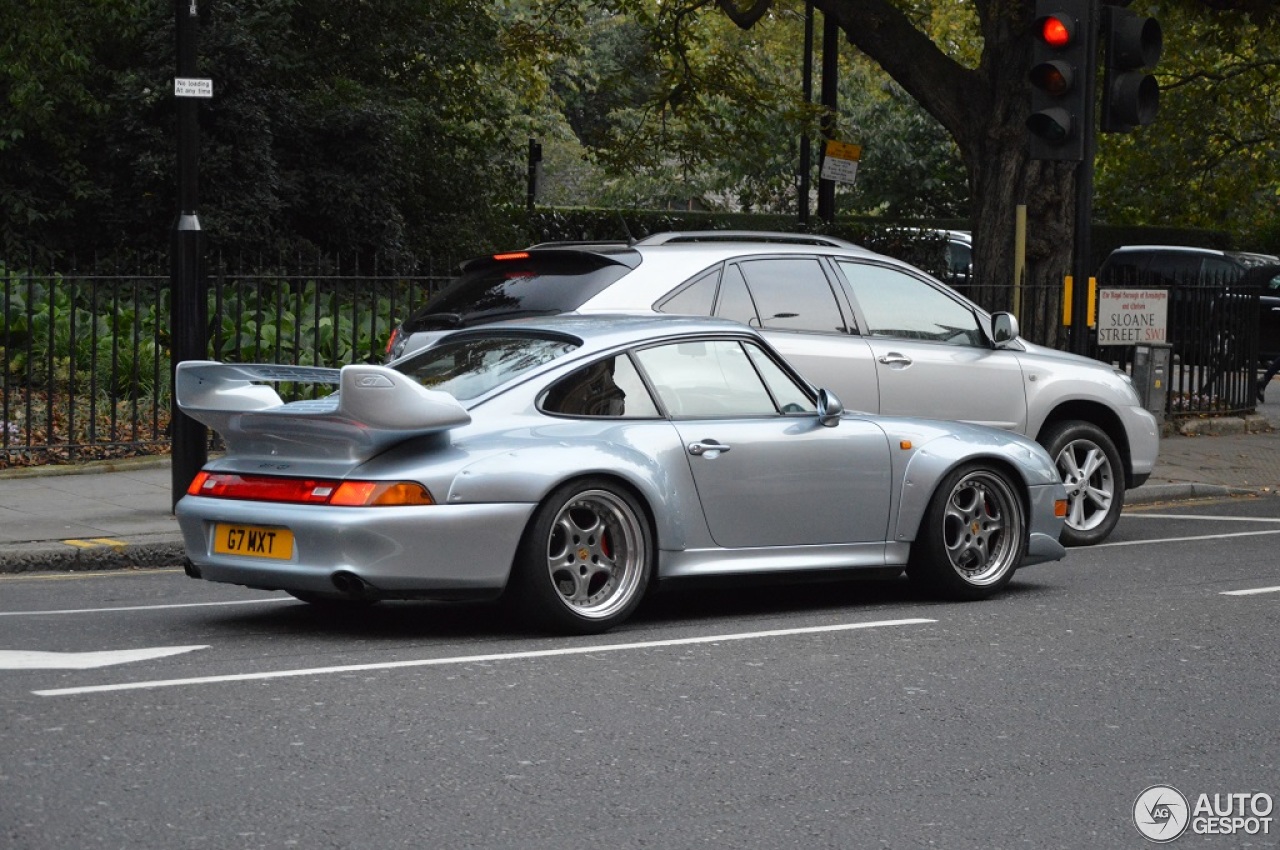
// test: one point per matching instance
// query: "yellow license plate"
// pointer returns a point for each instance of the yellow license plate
(255, 541)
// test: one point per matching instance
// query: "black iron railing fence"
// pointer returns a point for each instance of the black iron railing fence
(85, 364)
(84, 355)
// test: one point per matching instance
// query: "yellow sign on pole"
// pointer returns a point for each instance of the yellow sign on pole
(840, 161)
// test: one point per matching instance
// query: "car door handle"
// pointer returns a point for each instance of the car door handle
(893, 358)
(710, 448)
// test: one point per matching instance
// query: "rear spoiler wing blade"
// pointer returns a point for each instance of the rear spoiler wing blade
(375, 408)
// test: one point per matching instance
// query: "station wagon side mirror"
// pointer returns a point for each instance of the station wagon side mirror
(829, 409)
(1004, 329)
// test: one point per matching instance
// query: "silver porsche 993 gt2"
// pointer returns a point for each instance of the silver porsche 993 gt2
(567, 464)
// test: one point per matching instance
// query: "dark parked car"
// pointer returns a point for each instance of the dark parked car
(1206, 310)
(1267, 280)
(1177, 265)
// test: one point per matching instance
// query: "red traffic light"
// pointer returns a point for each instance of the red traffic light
(1061, 78)
(1057, 30)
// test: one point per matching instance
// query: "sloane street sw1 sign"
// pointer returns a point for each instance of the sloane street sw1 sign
(1131, 316)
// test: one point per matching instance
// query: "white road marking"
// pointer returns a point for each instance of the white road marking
(146, 607)
(1251, 591)
(1183, 539)
(475, 659)
(23, 659)
(1145, 515)
(87, 574)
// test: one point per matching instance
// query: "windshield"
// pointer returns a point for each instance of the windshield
(470, 366)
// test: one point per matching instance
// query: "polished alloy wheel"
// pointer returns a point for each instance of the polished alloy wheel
(982, 527)
(596, 554)
(1090, 481)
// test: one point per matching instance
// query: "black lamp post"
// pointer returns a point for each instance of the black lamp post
(189, 317)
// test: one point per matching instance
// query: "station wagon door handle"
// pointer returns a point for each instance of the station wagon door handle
(893, 358)
(710, 448)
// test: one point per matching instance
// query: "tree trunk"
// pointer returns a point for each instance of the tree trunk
(985, 111)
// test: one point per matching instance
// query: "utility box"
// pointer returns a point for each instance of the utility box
(1151, 375)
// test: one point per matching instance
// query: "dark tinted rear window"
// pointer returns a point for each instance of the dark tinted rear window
(536, 284)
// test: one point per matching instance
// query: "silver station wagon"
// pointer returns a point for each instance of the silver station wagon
(884, 336)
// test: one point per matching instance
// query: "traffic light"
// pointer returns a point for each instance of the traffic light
(1062, 73)
(1130, 96)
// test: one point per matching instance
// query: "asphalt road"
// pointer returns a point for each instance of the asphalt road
(848, 715)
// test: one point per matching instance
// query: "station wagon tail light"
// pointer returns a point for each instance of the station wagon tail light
(309, 491)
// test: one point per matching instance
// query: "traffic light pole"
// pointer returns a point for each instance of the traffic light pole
(1082, 256)
(189, 309)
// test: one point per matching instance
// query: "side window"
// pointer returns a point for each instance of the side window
(900, 306)
(1218, 272)
(694, 298)
(735, 301)
(959, 258)
(702, 379)
(792, 294)
(610, 387)
(1175, 269)
(1125, 268)
(789, 395)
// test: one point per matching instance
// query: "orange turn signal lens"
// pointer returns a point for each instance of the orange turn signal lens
(381, 494)
(1060, 507)
(193, 489)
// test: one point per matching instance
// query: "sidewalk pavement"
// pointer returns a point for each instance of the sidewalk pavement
(118, 514)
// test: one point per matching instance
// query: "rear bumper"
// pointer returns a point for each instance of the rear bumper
(444, 550)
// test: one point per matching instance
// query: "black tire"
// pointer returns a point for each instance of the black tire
(1092, 471)
(973, 535)
(585, 561)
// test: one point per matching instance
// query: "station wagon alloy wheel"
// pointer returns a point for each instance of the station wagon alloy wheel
(1090, 468)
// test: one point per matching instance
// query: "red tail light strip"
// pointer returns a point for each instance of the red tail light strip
(308, 491)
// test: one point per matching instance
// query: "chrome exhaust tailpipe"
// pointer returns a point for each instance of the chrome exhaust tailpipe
(350, 584)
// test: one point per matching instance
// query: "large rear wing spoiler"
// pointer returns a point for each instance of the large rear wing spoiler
(375, 408)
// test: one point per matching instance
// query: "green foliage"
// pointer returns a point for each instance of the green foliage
(79, 340)
(58, 333)
(348, 126)
(1212, 158)
(281, 321)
